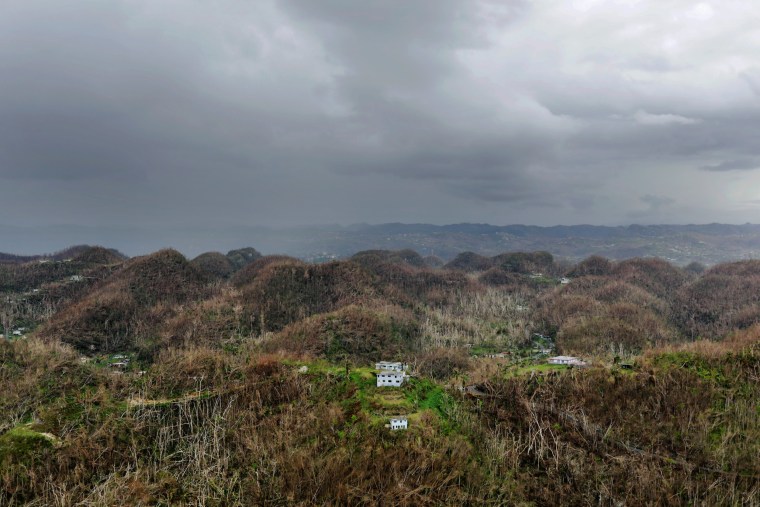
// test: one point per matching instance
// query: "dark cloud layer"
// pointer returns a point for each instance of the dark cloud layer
(290, 112)
(733, 165)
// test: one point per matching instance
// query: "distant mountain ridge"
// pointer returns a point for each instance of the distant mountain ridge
(680, 244)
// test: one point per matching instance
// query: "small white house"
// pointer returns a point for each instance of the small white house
(390, 378)
(399, 423)
(390, 366)
(564, 280)
(568, 360)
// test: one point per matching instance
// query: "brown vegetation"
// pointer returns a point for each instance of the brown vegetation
(372, 258)
(442, 363)
(284, 292)
(130, 304)
(629, 305)
(353, 333)
(512, 262)
(723, 298)
(658, 437)
(215, 264)
(215, 408)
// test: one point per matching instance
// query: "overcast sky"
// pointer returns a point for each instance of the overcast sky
(240, 112)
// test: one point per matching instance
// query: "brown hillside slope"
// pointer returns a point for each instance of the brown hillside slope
(129, 304)
(249, 273)
(283, 292)
(98, 255)
(723, 298)
(352, 333)
(627, 309)
(214, 264)
(371, 258)
(33, 275)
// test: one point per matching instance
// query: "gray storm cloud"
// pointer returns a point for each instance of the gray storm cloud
(291, 112)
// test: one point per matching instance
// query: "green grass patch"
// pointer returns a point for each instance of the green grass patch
(694, 363)
(358, 392)
(425, 394)
(23, 443)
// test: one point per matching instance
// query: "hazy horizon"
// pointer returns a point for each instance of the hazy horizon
(678, 243)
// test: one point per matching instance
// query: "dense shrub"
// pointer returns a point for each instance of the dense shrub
(442, 363)
(361, 335)
(283, 293)
(215, 264)
(372, 258)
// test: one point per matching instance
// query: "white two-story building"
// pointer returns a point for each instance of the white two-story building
(390, 378)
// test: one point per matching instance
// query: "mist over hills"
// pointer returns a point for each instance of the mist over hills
(679, 244)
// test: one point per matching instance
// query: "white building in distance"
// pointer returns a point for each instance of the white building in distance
(399, 423)
(390, 378)
(390, 366)
(567, 360)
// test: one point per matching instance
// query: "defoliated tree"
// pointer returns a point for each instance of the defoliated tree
(8, 313)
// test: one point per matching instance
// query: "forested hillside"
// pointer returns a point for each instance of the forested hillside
(242, 379)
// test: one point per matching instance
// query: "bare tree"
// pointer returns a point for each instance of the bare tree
(8, 313)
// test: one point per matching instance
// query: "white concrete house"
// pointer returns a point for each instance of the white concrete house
(390, 378)
(399, 423)
(390, 366)
(568, 360)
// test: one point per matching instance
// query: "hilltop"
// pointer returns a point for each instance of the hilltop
(78, 252)
(104, 303)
